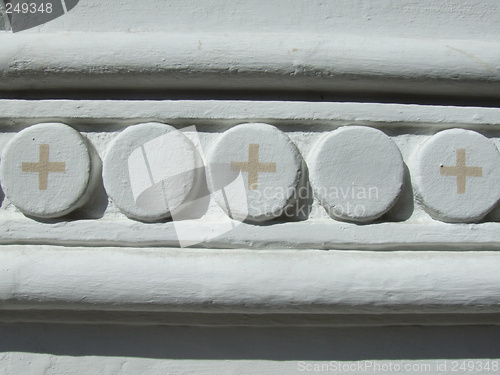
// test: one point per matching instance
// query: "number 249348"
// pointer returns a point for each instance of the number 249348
(28, 8)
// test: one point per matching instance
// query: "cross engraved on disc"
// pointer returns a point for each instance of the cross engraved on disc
(253, 167)
(461, 171)
(43, 167)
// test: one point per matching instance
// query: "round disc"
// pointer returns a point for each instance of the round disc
(46, 170)
(457, 175)
(356, 172)
(149, 170)
(254, 170)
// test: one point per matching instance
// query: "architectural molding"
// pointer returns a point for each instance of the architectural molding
(405, 227)
(264, 62)
(94, 114)
(267, 281)
(413, 267)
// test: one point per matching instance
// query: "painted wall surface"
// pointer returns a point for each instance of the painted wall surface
(450, 19)
(92, 284)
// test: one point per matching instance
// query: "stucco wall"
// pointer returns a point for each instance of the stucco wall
(100, 293)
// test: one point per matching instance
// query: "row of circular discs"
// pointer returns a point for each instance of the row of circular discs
(253, 171)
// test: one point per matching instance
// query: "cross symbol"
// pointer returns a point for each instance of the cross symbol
(43, 167)
(253, 166)
(461, 171)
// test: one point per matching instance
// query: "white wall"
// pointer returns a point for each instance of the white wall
(60, 315)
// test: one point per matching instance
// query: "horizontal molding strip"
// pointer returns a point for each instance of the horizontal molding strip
(106, 118)
(95, 113)
(266, 62)
(242, 281)
(330, 234)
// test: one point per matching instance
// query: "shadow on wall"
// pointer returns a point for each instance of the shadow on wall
(255, 343)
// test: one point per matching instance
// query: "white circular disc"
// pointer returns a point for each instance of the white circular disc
(457, 175)
(46, 170)
(254, 170)
(149, 170)
(356, 172)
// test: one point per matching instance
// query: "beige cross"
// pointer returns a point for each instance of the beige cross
(43, 167)
(461, 171)
(253, 166)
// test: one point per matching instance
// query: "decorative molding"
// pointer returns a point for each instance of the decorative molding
(285, 62)
(406, 226)
(99, 260)
(248, 282)
(95, 114)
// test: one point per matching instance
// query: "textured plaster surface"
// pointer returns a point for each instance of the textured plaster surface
(246, 281)
(277, 62)
(472, 19)
(152, 308)
(279, 271)
(405, 226)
